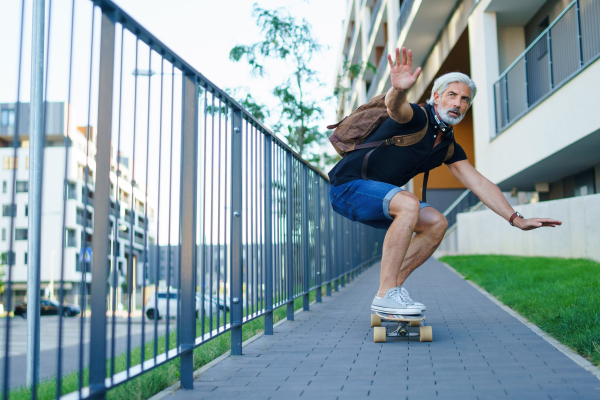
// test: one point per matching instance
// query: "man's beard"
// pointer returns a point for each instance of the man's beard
(449, 119)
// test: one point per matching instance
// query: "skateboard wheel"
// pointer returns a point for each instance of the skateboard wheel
(379, 334)
(425, 334)
(375, 320)
(415, 323)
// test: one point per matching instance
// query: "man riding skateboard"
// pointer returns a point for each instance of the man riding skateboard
(379, 201)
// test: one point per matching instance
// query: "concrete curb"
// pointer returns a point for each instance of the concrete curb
(579, 360)
(174, 387)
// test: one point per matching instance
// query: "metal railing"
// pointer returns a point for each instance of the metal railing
(465, 202)
(239, 216)
(374, 17)
(566, 47)
(405, 10)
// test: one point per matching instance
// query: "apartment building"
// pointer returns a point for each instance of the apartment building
(134, 216)
(532, 127)
(488, 41)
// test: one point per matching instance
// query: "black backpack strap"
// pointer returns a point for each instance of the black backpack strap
(365, 164)
(425, 178)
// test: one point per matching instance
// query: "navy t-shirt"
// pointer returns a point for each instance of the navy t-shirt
(394, 164)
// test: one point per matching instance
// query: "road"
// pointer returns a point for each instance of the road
(71, 348)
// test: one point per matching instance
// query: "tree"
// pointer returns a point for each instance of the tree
(290, 40)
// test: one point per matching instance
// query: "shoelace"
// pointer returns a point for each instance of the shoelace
(404, 293)
(396, 295)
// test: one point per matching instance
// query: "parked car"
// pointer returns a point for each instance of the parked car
(49, 307)
(154, 311)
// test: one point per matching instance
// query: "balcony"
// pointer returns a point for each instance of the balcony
(563, 50)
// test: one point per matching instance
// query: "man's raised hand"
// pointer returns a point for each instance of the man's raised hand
(401, 70)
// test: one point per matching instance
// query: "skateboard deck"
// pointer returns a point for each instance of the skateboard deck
(404, 327)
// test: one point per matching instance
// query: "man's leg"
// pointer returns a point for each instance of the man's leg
(404, 209)
(430, 230)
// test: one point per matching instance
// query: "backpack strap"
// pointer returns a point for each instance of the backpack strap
(402, 141)
(424, 192)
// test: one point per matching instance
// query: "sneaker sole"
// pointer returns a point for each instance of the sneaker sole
(401, 311)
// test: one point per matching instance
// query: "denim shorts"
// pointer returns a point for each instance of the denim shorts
(365, 201)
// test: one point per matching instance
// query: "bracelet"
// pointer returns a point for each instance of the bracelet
(512, 217)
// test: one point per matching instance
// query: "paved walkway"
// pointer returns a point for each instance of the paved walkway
(479, 351)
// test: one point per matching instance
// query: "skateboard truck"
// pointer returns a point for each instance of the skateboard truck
(404, 324)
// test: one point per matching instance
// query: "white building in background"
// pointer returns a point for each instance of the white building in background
(532, 128)
(128, 206)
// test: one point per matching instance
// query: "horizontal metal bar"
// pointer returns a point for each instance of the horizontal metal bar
(458, 200)
(535, 41)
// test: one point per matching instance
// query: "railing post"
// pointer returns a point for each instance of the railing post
(268, 237)
(189, 169)
(305, 240)
(289, 270)
(506, 97)
(237, 310)
(344, 251)
(551, 78)
(328, 253)
(318, 244)
(579, 42)
(526, 82)
(337, 256)
(100, 262)
(36, 155)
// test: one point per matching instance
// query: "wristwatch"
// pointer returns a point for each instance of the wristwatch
(512, 217)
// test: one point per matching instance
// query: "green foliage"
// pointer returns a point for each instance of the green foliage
(558, 295)
(352, 71)
(290, 40)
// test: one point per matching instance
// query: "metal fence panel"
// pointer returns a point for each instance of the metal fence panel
(191, 217)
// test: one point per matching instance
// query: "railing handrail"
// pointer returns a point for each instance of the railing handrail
(374, 17)
(456, 202)
(383, 60)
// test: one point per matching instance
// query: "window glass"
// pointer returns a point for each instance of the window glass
(21, 234)
(22, 186)
(7, 118)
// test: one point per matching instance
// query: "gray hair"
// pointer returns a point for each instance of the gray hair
(441, 84)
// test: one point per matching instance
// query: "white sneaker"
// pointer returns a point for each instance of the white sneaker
(393, 303)
(408, 300)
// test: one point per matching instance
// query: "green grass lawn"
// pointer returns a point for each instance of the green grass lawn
(152, 382)
(561, 296)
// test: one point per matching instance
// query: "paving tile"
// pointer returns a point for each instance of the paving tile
(479, 352)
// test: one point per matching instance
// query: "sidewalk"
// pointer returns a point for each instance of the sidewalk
(479, 351)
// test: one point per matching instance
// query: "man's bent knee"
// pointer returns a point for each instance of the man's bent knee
(404, 203)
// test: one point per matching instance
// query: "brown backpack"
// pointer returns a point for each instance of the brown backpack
(353, 130)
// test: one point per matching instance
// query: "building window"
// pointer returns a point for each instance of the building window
(6, 210)
(25, 259)
(4, 186)
(7, 118)
(3, 234)
(26, 210)
(22, 186)
(21, 234)
(71, 191)
(70, 238)
(6, 259)
(11, 162)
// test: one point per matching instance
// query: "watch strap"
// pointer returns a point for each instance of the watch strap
(512, 217)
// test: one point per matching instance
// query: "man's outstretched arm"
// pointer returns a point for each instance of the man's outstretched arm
(402, 79)
(491, 196)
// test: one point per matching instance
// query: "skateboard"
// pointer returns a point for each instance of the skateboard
(403, 330)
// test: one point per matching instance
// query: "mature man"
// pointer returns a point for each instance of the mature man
(380, 202)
